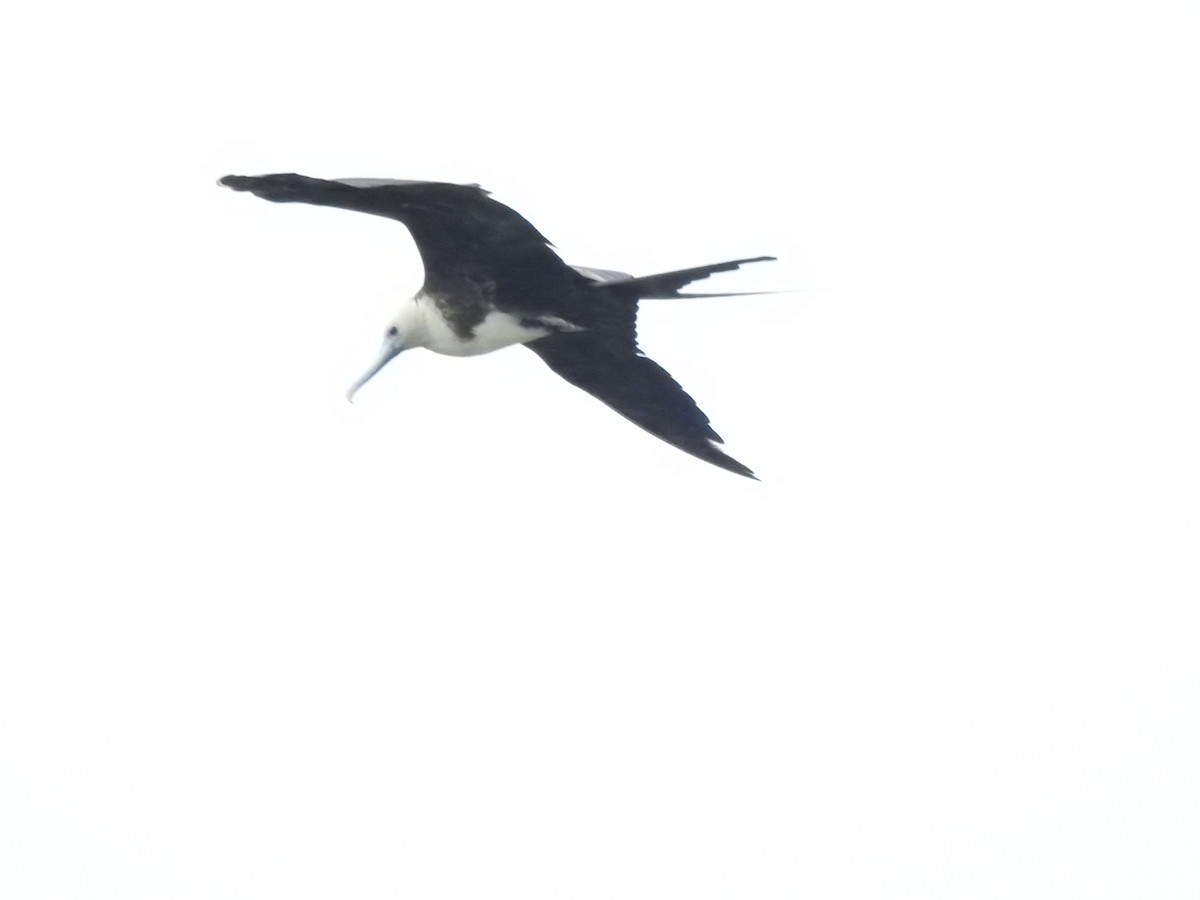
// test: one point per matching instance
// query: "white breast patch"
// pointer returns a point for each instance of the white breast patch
(498, 330)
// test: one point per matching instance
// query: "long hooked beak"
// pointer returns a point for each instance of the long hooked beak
(386, 355)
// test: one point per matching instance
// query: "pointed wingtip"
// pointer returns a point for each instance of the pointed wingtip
(719, 457)
(736, 468)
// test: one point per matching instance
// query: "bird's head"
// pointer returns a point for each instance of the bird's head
(393, 344)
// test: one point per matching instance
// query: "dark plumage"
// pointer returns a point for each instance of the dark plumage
(492, 280)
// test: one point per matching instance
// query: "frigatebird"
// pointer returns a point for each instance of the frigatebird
(492, 280)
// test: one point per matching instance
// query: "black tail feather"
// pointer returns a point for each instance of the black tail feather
(666, 285)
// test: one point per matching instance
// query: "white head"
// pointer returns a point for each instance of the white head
(405, 332)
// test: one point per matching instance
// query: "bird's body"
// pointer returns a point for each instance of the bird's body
(430, 327)
(492, 281)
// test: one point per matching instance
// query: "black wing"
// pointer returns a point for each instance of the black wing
(611, 369)
(460, 231)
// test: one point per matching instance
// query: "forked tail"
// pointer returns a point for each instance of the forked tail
(666, 285)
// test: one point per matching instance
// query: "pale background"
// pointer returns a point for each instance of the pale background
(478, 637)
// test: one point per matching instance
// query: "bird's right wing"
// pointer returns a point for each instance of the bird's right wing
(613, 370)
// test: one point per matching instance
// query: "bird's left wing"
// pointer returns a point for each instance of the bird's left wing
(459, 229)
(611, 369)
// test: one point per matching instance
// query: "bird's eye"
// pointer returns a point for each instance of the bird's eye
(392, 332)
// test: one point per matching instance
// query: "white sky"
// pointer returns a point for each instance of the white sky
(478, 637)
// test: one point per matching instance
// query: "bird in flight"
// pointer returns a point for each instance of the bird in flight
(492, 280)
